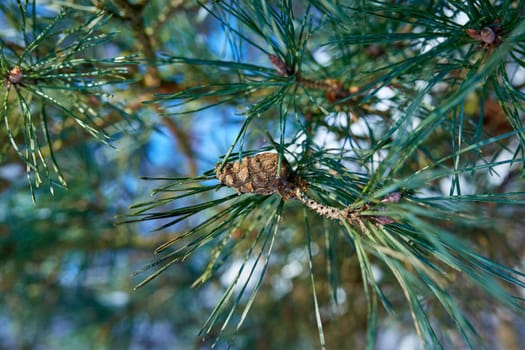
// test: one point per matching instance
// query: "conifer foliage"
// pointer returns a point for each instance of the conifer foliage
(384, 135)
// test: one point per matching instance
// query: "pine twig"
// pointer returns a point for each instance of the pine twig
(259, 174)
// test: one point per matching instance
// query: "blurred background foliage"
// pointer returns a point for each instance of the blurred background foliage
(97, 93)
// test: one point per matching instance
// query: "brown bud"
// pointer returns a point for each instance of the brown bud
(474, 34)
(487, 35)
(256, 174)
(280, 65)
(382, 220)
(15, 75)
(374, 51)
(334, 90)
(393, 197)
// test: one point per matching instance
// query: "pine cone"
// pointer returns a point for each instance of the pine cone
(257, 174)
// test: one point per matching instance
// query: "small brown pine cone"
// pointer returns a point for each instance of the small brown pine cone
(256, 174)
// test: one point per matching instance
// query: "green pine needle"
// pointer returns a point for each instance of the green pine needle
(61, 84)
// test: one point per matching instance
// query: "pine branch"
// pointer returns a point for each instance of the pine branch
(398, 231)
(63, 84)
(378, 118)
